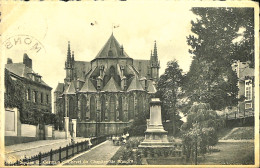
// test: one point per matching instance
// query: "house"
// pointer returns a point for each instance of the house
(28, 106)
(246, 94)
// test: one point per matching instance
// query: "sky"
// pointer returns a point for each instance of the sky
(52, 25)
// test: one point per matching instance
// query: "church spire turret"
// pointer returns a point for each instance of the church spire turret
(68, 62)
(155, 65)
(69, 65)
(155, 52)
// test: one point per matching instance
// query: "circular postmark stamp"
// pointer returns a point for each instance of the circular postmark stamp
(15, 46)
(24, 42)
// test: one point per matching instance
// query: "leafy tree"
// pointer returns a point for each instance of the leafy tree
(169, 90)
(217, 31)
(14, 92)
(200, 130)
(215, 45)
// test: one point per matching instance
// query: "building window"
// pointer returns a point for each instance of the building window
(41, 97)
(28, 94)
(47, 99)
(248, 90)
(248, 105)
(35, 96)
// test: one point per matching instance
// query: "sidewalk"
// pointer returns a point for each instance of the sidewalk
(18, 151)
(98, 155)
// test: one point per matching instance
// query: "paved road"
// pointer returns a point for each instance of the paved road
(99, 155)
(18, 151)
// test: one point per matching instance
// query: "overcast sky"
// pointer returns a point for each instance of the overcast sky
(53, 25)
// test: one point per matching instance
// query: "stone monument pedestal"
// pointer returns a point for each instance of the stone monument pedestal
(155, 135)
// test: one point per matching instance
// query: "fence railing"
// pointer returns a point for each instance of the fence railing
(54, 157)
(236, 115)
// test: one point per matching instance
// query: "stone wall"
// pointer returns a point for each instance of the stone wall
(11, 116)
(59, 134)
(87, 129)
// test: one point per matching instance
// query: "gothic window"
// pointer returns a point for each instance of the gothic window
(103, 109)
(83, 108)
(92, 108)
(112, 108)
(112, 71)
(140, 105)
(71, 107)
(120, 108)
(131, 107)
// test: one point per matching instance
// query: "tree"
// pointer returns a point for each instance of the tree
(200, 130)
(169, 90)
(14, 92)
(217, 32)
(220, 36)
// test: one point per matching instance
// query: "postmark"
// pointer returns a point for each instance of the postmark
(27, 42)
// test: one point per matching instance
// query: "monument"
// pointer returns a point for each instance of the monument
(155, 135)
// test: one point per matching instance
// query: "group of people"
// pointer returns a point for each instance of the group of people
(118, 140)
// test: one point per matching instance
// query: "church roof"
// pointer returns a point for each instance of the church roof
(151, 87)
(88, 87)
(111, 86)
(60, 88)
(135, 85)
(142, 66)
(71, 89)
(112, 49)
(82, 68)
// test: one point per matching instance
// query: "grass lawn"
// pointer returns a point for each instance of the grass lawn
(241, 133)
(231, 153)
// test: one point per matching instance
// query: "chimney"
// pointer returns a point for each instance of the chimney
(9, 61)
(27, 61)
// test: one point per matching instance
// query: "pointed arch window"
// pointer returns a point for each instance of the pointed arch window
(71, 107)
(112, 71)
(83, 108)
(140, 105)
(92, 108)
(103, 109)
(120, 108)
(131, 108)
(112, 108)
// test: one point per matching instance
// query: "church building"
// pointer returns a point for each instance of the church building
(105, 95)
